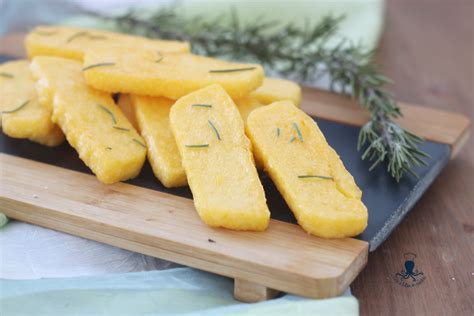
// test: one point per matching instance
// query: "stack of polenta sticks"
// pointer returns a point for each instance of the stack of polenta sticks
(202, 122)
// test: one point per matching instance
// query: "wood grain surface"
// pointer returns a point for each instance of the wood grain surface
(428, 49)
(166, 226)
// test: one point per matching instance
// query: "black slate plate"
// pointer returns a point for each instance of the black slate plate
(387, 201)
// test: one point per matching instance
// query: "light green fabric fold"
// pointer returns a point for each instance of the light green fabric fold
(3, 220)
(182, 291)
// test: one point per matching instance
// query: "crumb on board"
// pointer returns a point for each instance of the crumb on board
(211, 240)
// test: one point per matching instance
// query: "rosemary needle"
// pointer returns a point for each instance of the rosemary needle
(97, 65)
(75, 35)
(231, 70)
(202, 105)
(112, 116)
(292, 139)
(300, 136)
(197, 146)
(315, 176)
(139, 142)
(160, 58)
(122, 128)
(97, 37)
(18, 108)
(6, 75)
(278, 132)
(215, 130)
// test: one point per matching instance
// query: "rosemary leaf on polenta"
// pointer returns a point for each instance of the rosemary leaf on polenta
(97, 37)
(197, 146)
(278, 132)
(160, 58)
(97, 65)
(300, 136)
(18, 108)
(139, 142)
(215, 130)
(292, 139)
(112, 116)
(76, 35)
(315, 176)
(202, 105)
(122, 128)
(231, 70)
(6, 75)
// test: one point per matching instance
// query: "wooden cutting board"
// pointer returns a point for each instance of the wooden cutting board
(52, 188)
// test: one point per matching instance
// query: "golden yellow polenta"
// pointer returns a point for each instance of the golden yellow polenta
(273, 90)
(218, 162)
(152, 114)
(93, 124)
(246, 105)
(125, 105)
(21, 115)
(307, 171)
(148, 72)
(71, 42)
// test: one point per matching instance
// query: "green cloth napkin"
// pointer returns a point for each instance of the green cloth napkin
(182, 291)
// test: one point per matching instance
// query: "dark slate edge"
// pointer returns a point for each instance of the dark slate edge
(407, 205)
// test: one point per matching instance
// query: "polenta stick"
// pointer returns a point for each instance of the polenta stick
(152, 115)
(307, 171)
(218, 162)
(71, 42)
(93, 124)
(21, 115)
(148, 72)
(273, 90)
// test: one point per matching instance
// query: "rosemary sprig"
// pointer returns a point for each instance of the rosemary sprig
(197, 146)
(106, 110)
(231, 70)
(202, 105)
(18, 108)
(6, 75)
(300, 53)
(315, 176)
(97, 65)
(214, 129)
(139, 142)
